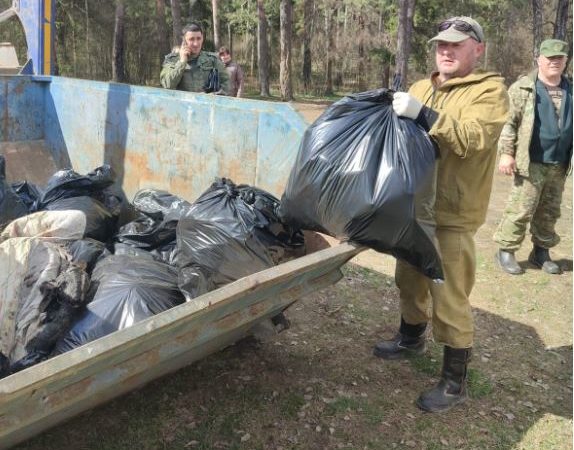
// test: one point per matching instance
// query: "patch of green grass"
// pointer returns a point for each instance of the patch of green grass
(425, 364)
(342, 405)
(290, 404)
(478, 384)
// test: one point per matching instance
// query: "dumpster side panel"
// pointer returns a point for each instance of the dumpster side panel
(172, 140)
(22, 104)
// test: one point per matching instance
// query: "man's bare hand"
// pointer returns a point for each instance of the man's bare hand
(507, 164)
(184, 52)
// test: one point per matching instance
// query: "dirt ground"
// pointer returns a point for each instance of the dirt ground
(317, 385)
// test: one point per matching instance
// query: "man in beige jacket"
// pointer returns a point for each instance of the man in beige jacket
(463, 110)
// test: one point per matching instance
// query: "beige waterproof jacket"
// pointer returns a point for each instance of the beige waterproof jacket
(471, 113)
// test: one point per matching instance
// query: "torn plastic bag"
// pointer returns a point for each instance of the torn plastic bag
(101, 222)
(231, 232)
(358, 169)
(154, 230)
(41, 292)
(67, 183)
(11, 206)
(125, 290)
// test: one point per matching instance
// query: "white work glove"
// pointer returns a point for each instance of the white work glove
(405, 105)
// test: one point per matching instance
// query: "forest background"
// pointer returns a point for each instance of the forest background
(293, 49)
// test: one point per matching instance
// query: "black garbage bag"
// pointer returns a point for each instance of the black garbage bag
(231, 232)
(155, 228)
(124, 290)
(67, 184)
(101, 221)
(41, 293)
(356, 175)
(28, 193)
(11, 205)
(157, 204)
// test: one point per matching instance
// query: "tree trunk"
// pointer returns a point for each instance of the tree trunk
(330, 15)
(307, 29)
(406, 13)
(161, 25)
(118, 63)
(561, 20)
(88, 52)
(254, 55)
(216, 38)
(262, 50)
(286, 29)
(230, 38)
(176, 16)
(537, 31)
(361, 49)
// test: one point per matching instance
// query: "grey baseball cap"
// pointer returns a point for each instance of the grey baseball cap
(459, 28)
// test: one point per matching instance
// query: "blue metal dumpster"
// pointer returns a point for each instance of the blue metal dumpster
(168, 140)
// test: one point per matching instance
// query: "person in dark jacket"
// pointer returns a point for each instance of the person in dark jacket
(234, 71)
(536, 149)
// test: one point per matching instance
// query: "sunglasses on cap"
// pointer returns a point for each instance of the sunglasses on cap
(459, 25)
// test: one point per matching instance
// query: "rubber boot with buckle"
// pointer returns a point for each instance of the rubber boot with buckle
(507, 262)
(540, 257)
(409, 340)
(451, 389)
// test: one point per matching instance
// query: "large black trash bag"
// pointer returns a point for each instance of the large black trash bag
(231, 232)
(155, 228)
(125, 290)
(11, 205)
(101, 222)
(356, 174)
(42, 293)
(67, 184)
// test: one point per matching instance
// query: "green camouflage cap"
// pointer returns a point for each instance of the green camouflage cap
(553, 47)
(458, 29)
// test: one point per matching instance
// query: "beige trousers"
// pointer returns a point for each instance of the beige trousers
(450, 308)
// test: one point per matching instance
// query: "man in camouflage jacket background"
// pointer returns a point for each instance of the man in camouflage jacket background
(536, 148)
(189, 68)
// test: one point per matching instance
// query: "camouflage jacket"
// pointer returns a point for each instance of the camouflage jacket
(517, 132)
(192, 75)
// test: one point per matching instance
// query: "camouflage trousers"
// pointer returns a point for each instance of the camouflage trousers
(534, 200)
(446, 303)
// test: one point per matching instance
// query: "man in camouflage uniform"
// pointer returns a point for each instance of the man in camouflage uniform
(536, 147)
(190, 68)
(463, 110)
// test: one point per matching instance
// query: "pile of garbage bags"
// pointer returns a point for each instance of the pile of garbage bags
(71, 273)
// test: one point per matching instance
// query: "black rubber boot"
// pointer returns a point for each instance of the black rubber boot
(507, 262)
(451, 389)
(409, 340)
(540, 257)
